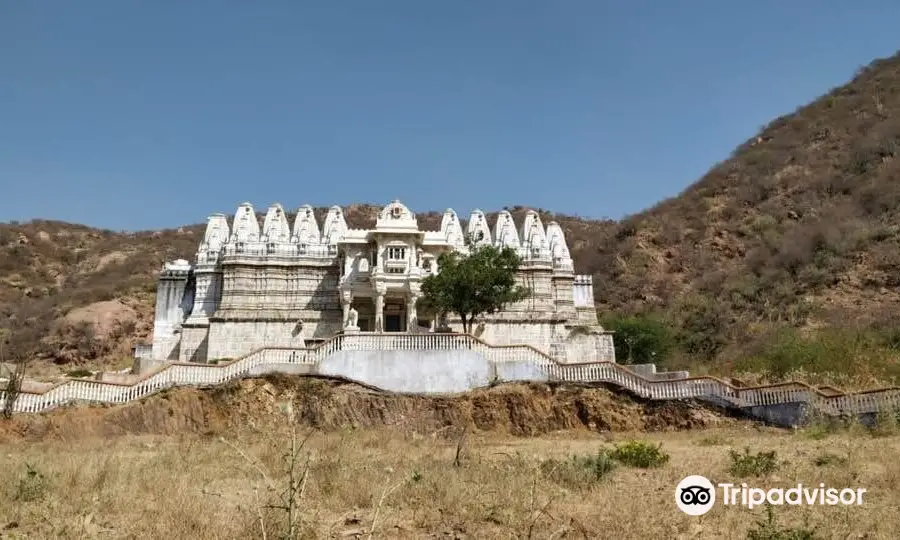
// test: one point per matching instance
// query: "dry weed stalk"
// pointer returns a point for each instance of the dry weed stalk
(535, 514)
(288, 498)
(13, 387)
(384, 494)
(459, 446)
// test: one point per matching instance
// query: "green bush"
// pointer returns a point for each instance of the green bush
(639, 454)
(640, 339)
(578, 472)
(768, 529)
(826, 459)
(842, 352)
(31, 486)
(748, 464)
(702, 324)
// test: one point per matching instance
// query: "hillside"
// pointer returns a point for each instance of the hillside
(797, 228)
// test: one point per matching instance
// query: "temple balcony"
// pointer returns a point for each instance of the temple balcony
(395, 266)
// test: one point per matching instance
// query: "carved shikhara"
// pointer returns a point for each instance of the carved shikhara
(286, 284)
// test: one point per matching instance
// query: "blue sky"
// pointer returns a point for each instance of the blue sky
(147, 114)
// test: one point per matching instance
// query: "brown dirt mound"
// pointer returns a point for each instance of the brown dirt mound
(519, 410)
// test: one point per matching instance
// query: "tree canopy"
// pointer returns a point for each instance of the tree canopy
(640, 339)
(470, 285)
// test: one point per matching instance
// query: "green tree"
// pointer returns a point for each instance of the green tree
(470, 285)
(640, 339)
(703, 324)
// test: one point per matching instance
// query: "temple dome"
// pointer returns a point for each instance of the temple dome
(396, 216)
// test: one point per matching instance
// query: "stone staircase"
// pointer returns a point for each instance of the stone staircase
(787, 404)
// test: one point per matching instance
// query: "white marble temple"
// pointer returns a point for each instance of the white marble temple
(287, 284)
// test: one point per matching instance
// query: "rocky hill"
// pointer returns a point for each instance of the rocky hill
(798, 228)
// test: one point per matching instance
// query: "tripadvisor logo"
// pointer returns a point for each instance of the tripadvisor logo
(696, 495)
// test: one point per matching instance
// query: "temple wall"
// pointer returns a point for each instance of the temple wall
(281, 292)
(207, 292)
(582, 346)
(562, 290)
(232, 339)
(166, 347)
(542, 294)
(194, 343)
(541, 334)
(170, 306)
(583, 299)
(586, 316)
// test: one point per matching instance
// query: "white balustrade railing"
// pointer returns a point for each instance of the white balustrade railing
(183, 374)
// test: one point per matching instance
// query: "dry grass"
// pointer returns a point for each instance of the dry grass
(378, 483)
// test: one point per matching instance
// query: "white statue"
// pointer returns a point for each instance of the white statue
(352, 318)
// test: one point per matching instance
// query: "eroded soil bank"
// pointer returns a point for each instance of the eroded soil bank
(520, 410)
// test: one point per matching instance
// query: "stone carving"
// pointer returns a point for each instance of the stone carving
(379, 322)
(379, 312)
(216, 233)
(505, 234)
(396, 216)
(306, 229)
(246, 227)
(352, 319)
(557, 241)
(533, 231)
(275, 225)
(335, 226)
(412, 320)
(478, 228)
(451, 229)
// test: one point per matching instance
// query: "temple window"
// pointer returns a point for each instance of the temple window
(396, 253)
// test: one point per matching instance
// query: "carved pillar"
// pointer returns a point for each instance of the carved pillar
(379, 312)
(346, 299)
(380, 288)
(412, 319)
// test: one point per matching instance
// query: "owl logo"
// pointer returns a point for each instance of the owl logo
(695, 495)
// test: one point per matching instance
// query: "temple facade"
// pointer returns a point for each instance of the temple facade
(278, 284)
